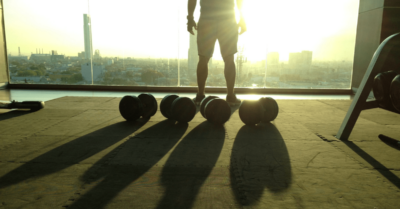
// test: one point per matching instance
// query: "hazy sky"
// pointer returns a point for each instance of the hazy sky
(157, 28)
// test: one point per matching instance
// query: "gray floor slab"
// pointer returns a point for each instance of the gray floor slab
(18, 190)
(79, 152)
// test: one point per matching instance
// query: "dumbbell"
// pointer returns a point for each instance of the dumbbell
(132, 107)
(32, 105)
(252, 112)
(381, 88)
(215, 110)
(395, 92)
(181, 109)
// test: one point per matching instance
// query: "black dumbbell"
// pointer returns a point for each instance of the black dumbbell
(395, 92)
(252, 112)
(270, 109)
(215, 110)
(32, 105)
(177, 108)
(132, 107)
(381, 88)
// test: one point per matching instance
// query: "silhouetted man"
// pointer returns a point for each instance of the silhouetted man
(217, 21)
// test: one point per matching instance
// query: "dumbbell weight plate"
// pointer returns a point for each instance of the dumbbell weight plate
(32, 105)
(166, 104)
(381, 88)
(270, 109)
(250, 112)
(183, 109)
(395, 92)
(204, 103)
(131, 108)
(149, 105)
(217, 111)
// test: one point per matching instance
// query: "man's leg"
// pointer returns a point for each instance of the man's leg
(202, 73)
(230, 74)
(228, 38)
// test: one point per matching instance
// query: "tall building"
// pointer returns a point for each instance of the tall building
(294, 58)
(96, 54)
(86, 70)
(273, 58)
(300, 58)
(193, 55)
(87, 30)
(306, 57)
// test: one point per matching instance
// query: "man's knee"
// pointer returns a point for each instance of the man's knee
(229, 59)
(203, 61)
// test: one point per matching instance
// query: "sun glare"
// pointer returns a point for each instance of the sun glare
(293, 26)
(141, 29)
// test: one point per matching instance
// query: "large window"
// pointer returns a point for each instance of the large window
(289, 43)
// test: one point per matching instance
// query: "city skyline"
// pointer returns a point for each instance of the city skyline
(272, 27)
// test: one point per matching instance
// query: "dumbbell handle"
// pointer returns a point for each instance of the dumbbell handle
(22, 105)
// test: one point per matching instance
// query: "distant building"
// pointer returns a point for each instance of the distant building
(110, 62)
(75, 58)
(81, 55)
(55, 57)
(87, 30)
(17, 58)
(273, 58)
(294, 58)
(96, 54)
(306, 57)
(40, 57)
(193, 55)
(300, 58)
(86, 71)
(272, 63)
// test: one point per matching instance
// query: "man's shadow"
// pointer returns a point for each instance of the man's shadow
(71, 153)
(190, 164)
(259, 160)
(143, 151)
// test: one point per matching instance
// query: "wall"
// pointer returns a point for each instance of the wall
(377, 20)
(4, 78)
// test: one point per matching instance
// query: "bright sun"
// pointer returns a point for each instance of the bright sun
(289, 25)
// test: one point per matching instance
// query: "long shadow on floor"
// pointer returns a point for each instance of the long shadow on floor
(190, 164)
(13, 114)
(374, 163)
(142, 151)
(259, 160)
(71, 152)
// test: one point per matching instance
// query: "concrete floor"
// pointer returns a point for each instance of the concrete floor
(79, 152)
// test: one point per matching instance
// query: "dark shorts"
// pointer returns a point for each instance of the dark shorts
(208, 31)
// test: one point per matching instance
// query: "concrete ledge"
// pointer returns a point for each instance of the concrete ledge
(180, 89)
(3, 85)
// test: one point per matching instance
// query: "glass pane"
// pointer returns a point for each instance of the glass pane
(135, 43)
(289, 43)
(44, 37)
